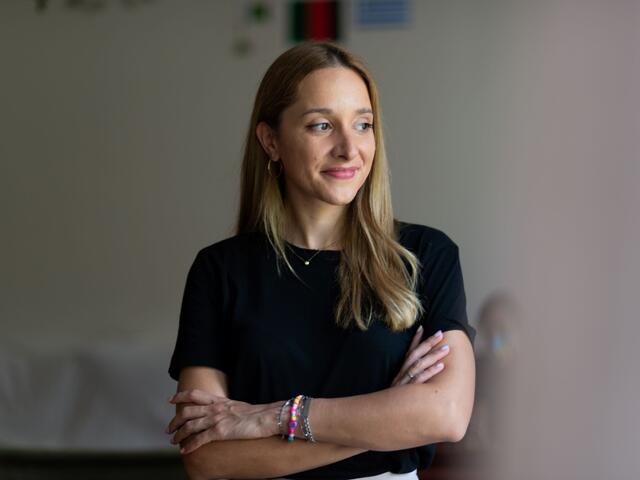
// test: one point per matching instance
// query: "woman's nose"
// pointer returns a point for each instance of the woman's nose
(346, 145)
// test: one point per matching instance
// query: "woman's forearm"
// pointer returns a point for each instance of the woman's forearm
(404, 416)
(262, 458)
(386, 420)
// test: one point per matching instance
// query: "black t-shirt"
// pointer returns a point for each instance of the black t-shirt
(276, 337)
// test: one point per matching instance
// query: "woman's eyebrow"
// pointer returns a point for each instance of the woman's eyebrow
(328, 111)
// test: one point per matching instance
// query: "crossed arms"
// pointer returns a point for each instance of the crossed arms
(396, 418)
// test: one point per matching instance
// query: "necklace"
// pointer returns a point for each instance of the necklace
(308, 261)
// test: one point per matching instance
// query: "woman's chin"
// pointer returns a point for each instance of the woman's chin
(342, 199)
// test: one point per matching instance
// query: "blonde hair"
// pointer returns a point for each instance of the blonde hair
(377, 275)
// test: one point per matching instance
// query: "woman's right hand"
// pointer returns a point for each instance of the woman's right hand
(422, 359)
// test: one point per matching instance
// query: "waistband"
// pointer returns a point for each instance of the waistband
(383, 476)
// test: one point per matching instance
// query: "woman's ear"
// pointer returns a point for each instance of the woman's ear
(267, 137)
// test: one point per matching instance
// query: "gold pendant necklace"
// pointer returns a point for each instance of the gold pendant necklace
(308, 261)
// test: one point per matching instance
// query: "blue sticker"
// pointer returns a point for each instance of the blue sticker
(382, 12)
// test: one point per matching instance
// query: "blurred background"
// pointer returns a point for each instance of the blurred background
(513, 126)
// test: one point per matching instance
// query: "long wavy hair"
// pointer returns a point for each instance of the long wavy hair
(376, 274)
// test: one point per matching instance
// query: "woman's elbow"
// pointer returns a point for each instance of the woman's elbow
(458, 432)
(457, 424)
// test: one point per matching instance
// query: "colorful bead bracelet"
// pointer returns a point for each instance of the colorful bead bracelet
(299, 411)
(293, 418)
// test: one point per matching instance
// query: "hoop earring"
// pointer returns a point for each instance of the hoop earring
(269, 169)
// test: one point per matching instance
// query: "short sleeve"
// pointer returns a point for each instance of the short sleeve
(201, 332)
(443, 293)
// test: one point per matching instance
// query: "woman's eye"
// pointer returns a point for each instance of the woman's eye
(316, 125)
(324, 126)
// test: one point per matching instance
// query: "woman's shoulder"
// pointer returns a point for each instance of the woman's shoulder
(241, 244)
(421, 238)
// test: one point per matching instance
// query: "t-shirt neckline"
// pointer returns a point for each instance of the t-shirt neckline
(310, 251)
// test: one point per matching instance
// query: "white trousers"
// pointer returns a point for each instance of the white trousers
(383, 476)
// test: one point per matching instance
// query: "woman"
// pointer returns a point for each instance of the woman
(320, 293)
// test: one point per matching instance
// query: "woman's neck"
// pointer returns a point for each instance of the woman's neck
(317, 229)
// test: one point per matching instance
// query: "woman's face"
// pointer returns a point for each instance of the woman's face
(326, 141)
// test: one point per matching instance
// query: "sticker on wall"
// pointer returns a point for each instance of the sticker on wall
(252, 22)
(382, 13)
(314, 20)
(259, 11)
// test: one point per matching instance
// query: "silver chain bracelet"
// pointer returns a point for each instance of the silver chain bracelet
(284, 406)
(304, 414)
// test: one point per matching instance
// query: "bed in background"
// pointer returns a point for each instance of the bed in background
(80, 410)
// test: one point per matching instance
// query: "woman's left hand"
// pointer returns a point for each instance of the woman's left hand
(209, 417)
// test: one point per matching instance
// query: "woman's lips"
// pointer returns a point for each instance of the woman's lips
(343, 173)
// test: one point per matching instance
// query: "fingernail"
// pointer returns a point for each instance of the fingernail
(420, 328)
(170, 398)
(444, 347)
(439, 365)
(438, 333)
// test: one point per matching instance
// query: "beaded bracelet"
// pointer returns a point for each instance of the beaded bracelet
(293, 417)
(300, 410)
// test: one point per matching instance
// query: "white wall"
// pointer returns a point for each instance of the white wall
(123, 133)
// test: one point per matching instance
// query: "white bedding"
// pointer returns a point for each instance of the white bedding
(107, 397)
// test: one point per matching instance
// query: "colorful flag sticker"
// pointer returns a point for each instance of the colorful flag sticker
(314, 20)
